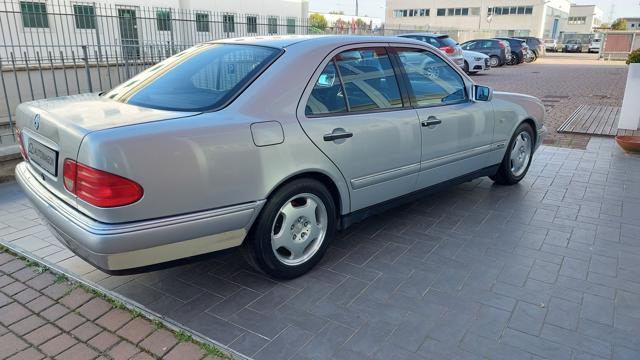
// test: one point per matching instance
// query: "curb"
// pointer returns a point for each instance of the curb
(129, 304)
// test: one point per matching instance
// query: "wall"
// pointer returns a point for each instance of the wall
(593, 16)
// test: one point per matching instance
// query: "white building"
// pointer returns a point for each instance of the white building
(583, 19)
(138, 28)
(633, 23)
(540, 18)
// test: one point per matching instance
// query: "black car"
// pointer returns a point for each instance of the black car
(498, 51)
(517, 50)
(536, 45)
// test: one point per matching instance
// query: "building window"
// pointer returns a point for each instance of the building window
(457, 12)
(291, 26)
(202, 22)
(411, 12)
(512, 10)
(34, 14)
(163, 20)
(85, 16)
(228, 23)
(441, 12)
(252, 24)
(272, 25)
(577, 20)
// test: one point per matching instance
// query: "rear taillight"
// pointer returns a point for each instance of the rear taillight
(448, 49)
(98, 187)
(23, 151)
(501, 45)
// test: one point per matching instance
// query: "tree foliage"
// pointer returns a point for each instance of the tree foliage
(317, 21)
(619, 24)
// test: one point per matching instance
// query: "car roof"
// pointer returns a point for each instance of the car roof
(289, 40)
(424, 34)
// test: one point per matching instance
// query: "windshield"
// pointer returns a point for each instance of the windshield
(201, 78)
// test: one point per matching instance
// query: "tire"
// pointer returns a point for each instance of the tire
(466, 67)
(494, 61)
(511, 171)
(288, 214)
(515, 60)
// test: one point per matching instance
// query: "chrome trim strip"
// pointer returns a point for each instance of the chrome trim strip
(451, 158)
(384, 176)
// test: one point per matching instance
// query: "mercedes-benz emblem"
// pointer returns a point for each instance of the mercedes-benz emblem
(36, 121)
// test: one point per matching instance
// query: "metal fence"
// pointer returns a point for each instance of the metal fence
(618, 44)
(63, 47)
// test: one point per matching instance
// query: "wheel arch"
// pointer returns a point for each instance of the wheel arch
(341, 198)
(532, 123)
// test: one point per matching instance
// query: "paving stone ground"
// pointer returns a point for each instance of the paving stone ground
(546, 269)
(563, 83)
(42, 316)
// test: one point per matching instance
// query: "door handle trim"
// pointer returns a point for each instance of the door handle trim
(431, 122)
(337, 136)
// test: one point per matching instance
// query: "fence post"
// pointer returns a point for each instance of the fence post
(85, 58)
(6, 99)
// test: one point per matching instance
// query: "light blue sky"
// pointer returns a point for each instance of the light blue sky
(375, 8)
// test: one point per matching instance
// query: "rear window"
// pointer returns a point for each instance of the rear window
(447, 41)
(201, 78)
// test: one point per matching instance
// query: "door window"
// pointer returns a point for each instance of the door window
(432, 80)
(327, 95)
(355, 80)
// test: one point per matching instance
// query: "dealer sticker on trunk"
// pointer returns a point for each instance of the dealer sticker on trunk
(43, 156)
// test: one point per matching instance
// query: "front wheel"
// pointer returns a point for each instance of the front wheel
(517, 159)
(293, 230)
(465, 67)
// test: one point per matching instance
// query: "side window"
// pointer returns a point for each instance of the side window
(432, 80)
(468, 46)
(369, 79)
(327, 95)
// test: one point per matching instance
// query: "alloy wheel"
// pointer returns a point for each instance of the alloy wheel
(520, 154)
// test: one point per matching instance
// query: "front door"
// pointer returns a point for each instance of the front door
(456, 132)
(129, 33)
(356, 116)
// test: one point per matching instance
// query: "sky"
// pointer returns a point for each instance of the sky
(375, 8)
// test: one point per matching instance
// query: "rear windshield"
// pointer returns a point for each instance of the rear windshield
(447, 41)
(201, 78)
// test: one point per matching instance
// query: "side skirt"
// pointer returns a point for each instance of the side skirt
(359, 215)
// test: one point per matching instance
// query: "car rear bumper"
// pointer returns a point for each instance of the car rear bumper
(118, 247)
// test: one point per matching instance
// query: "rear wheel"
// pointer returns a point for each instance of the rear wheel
(517, 159)
(494, 61)
(466, 67)
(293, 230)
(514, 60)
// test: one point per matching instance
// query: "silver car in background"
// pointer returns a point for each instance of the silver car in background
(441, 41)
(272, 144)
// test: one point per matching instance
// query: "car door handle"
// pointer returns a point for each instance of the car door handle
(337, 134)
(431, 121)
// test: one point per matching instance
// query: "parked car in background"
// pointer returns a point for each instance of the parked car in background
(551, 45)
(442, 42)
(595, 45)
(536, 46)
(499, 51)
(518, 50)
(187, 157)
(573, 45)
(475, 61)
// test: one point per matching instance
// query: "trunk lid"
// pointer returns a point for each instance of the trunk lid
(53, 129)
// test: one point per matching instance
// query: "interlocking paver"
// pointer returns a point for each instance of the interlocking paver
(136, 330)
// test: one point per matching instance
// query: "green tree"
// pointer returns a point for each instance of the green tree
(317, 21)
(619, 24)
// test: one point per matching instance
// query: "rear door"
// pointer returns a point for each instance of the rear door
(357, 116)
(457, 133)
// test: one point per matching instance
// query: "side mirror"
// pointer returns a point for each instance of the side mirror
(482, 93)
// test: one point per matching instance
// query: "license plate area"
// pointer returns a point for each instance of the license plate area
(42, 156)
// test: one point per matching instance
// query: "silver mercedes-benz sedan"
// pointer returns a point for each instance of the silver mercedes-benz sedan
(272, 144)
